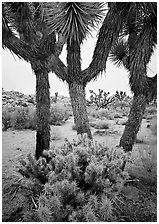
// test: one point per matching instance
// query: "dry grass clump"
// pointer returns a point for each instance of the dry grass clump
(101, 114)
(19, 118)
(149, 169)
(58, 114)
(101, 124)
(150, 112)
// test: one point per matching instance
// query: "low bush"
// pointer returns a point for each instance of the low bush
(101, 114)
(101, 125)
(58, 114)
(32, 118)
(149, 162)
(81, 181)
(19, 118)
(25, 117)
(6, 118)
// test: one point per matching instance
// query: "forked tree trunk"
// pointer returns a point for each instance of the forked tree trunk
(43, 112)
(133, 124)
(78, 101)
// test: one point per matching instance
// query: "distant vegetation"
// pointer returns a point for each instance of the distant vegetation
(103, 100)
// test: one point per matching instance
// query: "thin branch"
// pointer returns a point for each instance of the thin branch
(16, 190)
(35, 205)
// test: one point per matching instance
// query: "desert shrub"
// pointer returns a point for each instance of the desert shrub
(58, 114)
(6, 118)
(19, 118)
(81, 181)
(25, 117)
(101, 114)
(101, 124)
(149, 162)
(31, 118)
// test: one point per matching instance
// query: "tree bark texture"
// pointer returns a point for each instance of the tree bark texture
(43, 112)
(133, 124)
(77, 89)
(78, 101)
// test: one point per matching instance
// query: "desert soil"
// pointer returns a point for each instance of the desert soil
(16, 144)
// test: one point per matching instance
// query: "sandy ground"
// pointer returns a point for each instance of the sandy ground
(16, 144)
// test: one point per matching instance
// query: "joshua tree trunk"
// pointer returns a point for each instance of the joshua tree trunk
(78, 100)
(133, 124)
(42, 111)
(77, 89)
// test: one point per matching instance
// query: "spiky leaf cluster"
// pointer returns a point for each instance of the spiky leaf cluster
(73, 20)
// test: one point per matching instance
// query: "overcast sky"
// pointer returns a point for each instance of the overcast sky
(17, 74)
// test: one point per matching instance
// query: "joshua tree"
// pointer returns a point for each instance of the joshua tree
(135, 54)
(120, 96)
(25, 34)
(101, 100)
(73, 20)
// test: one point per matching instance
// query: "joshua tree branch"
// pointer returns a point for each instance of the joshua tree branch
(57, 67)
(18, 46)
(108, 34)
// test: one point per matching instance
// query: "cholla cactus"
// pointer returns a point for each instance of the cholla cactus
(79, 181)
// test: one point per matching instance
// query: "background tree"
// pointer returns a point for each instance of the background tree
(102, 99)
(25, 33)
(135, 54)
(121, 96)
